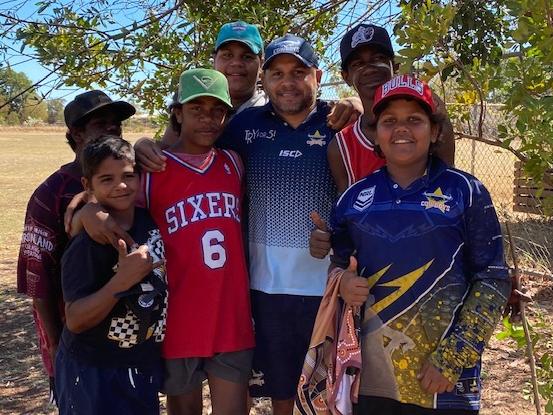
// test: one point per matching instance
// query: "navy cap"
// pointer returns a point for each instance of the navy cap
(365, 35)
(292, 45)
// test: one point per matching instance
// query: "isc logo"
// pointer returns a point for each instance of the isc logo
(290, 153)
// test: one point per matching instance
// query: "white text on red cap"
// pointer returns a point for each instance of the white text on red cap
(403, 81)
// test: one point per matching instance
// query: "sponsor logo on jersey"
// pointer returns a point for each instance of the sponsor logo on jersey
(251, 135)
(363, 34)
(290, 153)
(436, 200)
(364, 199)
(316, 139)
(227, 169)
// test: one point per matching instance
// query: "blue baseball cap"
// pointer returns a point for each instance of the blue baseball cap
(242, 32)
(292, 45)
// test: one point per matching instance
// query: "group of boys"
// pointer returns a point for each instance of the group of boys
(283, 136)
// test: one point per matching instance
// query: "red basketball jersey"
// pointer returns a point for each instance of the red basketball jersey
(357, 152)
(198, 211)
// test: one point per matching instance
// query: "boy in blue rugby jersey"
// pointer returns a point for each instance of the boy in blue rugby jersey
(431, 276)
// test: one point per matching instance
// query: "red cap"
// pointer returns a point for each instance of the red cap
(404, 86)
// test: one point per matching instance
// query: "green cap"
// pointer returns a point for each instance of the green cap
(242, 32)
(202, 82)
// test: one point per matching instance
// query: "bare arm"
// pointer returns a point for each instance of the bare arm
(337, 167)
(48, 313)
(345, 112)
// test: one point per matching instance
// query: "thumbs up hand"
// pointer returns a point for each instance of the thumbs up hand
(353, 288)
(319, 240)
(134, 266)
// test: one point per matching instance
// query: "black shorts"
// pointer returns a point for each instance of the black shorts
(86, 389)
(373, 405)
(283, 325)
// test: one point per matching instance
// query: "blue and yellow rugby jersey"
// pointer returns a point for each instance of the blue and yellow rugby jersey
(433, 256)
(287, 177)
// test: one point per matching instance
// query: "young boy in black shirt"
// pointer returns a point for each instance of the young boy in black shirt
(109, 355)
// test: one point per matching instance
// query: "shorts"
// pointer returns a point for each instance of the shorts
(85, 389)
(283, 325)
(187, 374)
(373, 405)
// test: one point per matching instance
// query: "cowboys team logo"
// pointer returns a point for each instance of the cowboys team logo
(364, 199)
(316, 139)
(205, 81)
(436, 200)
(363, 34)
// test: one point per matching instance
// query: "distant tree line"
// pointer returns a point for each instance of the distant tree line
(25, 105)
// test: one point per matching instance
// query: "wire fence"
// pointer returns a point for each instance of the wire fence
(497, 169)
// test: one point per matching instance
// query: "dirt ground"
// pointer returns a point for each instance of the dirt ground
(23, 385)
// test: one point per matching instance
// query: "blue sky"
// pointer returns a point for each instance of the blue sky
(35, 71)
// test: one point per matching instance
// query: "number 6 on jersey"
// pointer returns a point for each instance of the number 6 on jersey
(214, 252)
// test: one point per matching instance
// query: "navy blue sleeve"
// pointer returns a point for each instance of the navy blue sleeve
(342, 244)
(484, 242)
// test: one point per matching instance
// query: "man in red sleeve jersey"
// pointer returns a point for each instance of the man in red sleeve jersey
(88, 116)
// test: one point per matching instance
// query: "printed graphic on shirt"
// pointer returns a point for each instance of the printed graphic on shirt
(125, 330)
(436, 200)
(36, 241)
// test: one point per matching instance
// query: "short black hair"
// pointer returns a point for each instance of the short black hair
(99, 149)
(436, 119)
(175, 125)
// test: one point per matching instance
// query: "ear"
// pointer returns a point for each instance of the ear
(345, 77)
(262, 77)
(319, 75)
(78, 135)
(177, 112)
(87, 185)
(434, 132)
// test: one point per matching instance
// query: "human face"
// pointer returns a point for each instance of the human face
(201, 122)
(101, 122)
(367, 69)
(114, 185)
(404, 133)
(241, 68)
(291, 86)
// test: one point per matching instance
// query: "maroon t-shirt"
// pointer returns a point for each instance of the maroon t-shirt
(44, 240)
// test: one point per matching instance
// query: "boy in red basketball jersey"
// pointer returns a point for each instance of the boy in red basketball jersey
(196, 202)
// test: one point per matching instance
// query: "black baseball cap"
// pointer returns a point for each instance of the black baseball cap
(292, 45)
(83, 105)
(363, 35)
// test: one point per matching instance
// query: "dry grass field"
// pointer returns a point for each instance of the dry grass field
(27, 157)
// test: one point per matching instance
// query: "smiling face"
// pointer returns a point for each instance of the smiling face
(404, 133)
(114, 184)
(241, 68)
(366, 69)
(291, 86)
(201, 123)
